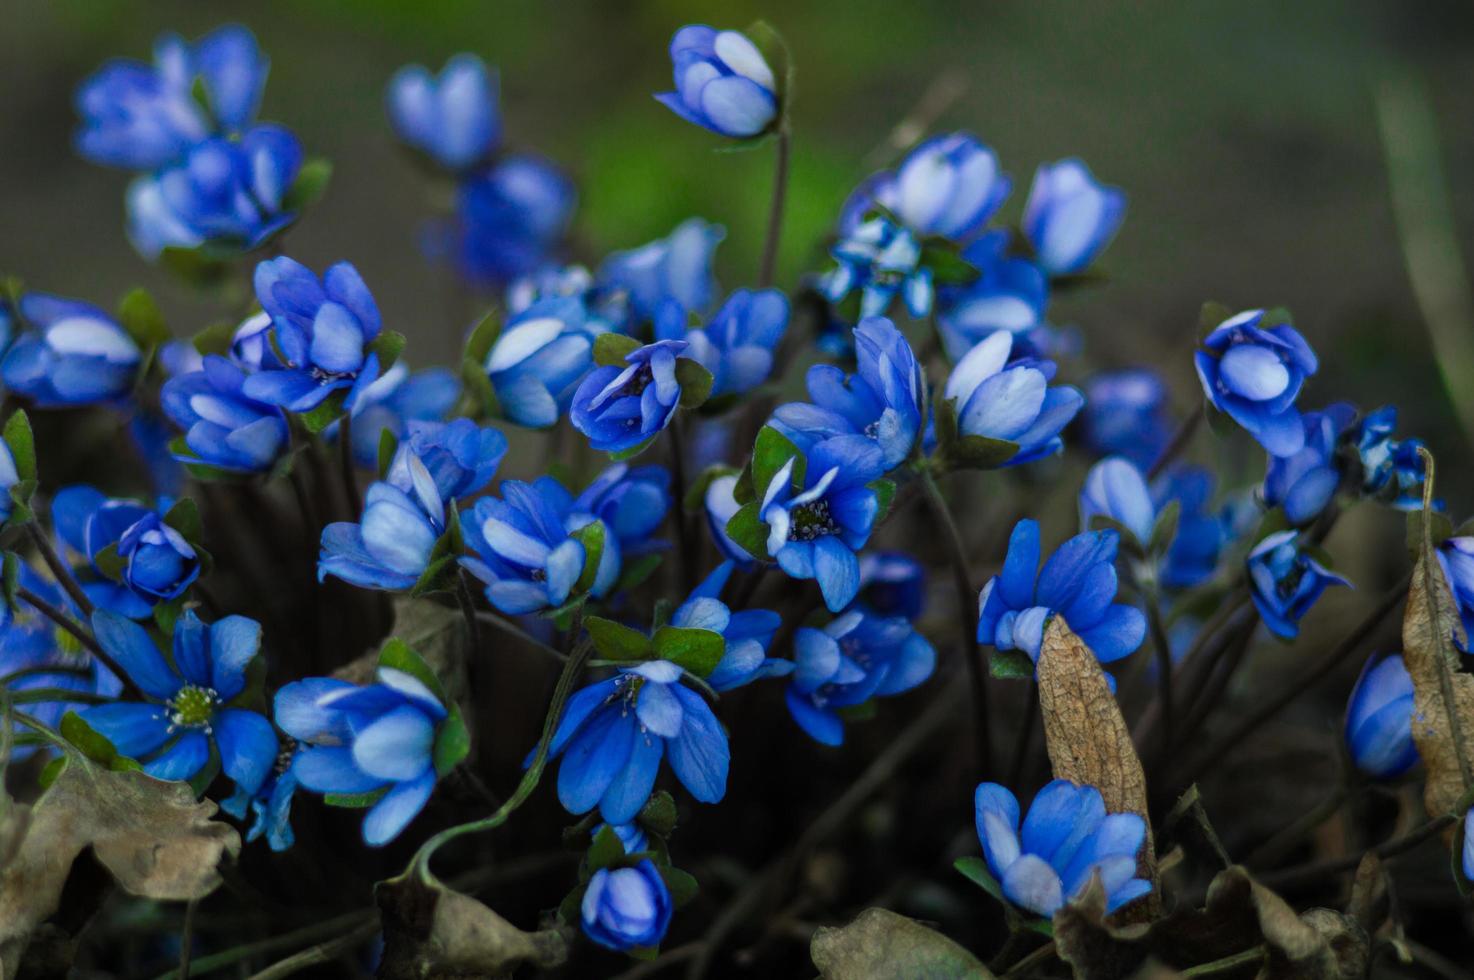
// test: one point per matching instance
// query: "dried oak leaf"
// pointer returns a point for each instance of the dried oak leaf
(435, 632)
(154, 837)
(1088, 740)
(881, 945)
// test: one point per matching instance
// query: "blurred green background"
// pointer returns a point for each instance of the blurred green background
(1246, 135)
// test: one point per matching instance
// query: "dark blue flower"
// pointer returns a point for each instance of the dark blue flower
(511, 218)
(452, 118)
(1069, 217)
(1390, 468)
(746, 633)
(619, 408)
(188, 711)
(631, 501)
(738, 343)
(322, 328)
(1126, 415)
(1253, 368)
(1010, 293)
(1456, 558)
(1379, 719)
(222, 426)
(613, 735)
(677, 267)
(883, 260)
(142, 117)
(814, 530)
(461, 456)
(892, 583)
(540, 357)
(390, 546)
(1066, 839)
(1078, 582)
(8, 478)
(1011, 400)
(858, 656)
(723, 83)
(377, 738)
(883, 402)
(1192, 558)
(75, 354)
(626, 908)
(1286, 580)
(270, 806)
(947, 186)
(393, 401)
(603, 306)
(1304, 483)
(158, 563)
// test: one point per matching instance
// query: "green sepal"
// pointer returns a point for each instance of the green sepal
(980, 453)
(323, 415)
(975, 870)
(51, 770)
(22, 443)
(695, 381)
(570, 910)
(388, 446)
(695, 499)
(681, 885)
(1165, 528)
(885, 495)
(307, 189)
(562, 616)
(591, 536)
(205, 472)
(664, 608)
(139, 315)
(482, 338)
(948, 267)
(215, 338)
(398, 655)
(605, 851)
(635, 573)
(184, 517)
(742, 490)
(770, 44)
(389, 344)
(1211, 316)
(1011, 664)
(452, 742)
(196, 266)
(611, 349)
(355, 801)
(633, 451)
(110, 563)
(864, 711)
(20, 504)
(93, 744)
(696, 650)
(658, 815)
(749, 532)
(770, 451)
(615, 641)
(433, 579)
(166, 615)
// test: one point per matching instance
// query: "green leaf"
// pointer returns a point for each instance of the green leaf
(389, 344)
(1210, 316)
(323, 415)
(948, 268)
(975, 870)
(482, 339)
(697, 650)
(452, 742)
(312, 181)
(195, 266)
(658, 815)
(742, 490)
(606, 850)
(980, 453)
(398, 655)
(22, 443)
(682, 886)
(749, 532)
(774, 49)
(1011, 664)
(388, 446)
(633, 451)
(591, 536)
(610, 349)
(1165, 528)
(184, 517)
(770, 452)
(695, 381)
(615, 641)
(139, 315)
(355, 801)
(215, 338)
(479, 389)
(665, 606)
(885, 494)
(111, 564)
(93, 744)
(166, 615)
(944, 410)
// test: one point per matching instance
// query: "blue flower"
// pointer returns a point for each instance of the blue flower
(158, 563)
(1069, 217)
(1078, 582)
(1304, 483)
(947, 186)
(677, 267)
(188, 711)
(892, 583)
(858, 656)
(270, 806)
(738, 343)
(1286, 580)
(814, 530)
(377, 738)
(1379, 719)
(746, 633)
(524, 550)
(1253, 368)
(1456, 558)
(1066, 839)
(390, 547)
(883, 402)
(1011, 400)
(1468, 854)
(721, 506)
(1116, 489)
(460, 456)
(75, 354)
(322, 328)
(393, 401)
(9, 477)
(222, 426)
(510, 218)
(602, 306)
(632, 836)
(626, 908)
(631, 501)
(1390, 467)
(1010, 293)
(882, 259)
(723, 83)
(1126, 415)
(141, 117)
(1192, 558)
(614, 733)
(224, 192)
(453, 118)
(619, 408)
(539, 358)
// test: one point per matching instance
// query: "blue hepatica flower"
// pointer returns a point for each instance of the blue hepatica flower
(9, 477)
(395, 400)
(892, 583)
(1468, 854)
(1011, 400)
(677, 267)
(613, 735)
(1379, 719)
(1286, 581)
(619, 408)
(626, 908)
(1010, 293)
(453, 119)
(721, 506)
(539, 359)
(1456, 558)
(1069, 218)
(1304, 483)
(883, 260)
(815, 530)
(189, 710)
(746, 633)
(1116, 489)
(158, 563)
(603, 306)
(1126, 415)
(947, 186)
(75, 354)
(1390, 467)
(882, 402)
(738, 343)
(856, 657)
(222, 426)
(1078, 582)
(377, 738)
(1253, 368)
(141, 117)
(1066, 839)
(631, 501)
(511, 218)
(270, 807)
(460, 456)
(390, 547)
(723, 83)
(322, 328)
(1192, 558)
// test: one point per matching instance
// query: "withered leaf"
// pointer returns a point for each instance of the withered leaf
(1428, 627)
(881, 945)
(154, 837)
(1087, 737)
(437, 633)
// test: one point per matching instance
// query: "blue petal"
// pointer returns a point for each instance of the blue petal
(129, 644)
(631, 786)
(837, 570)
(823, 726)
(400, 805)
(182, 759)
(234, 643)
(592, 760)
(699, 756)
(1119, 633)
(330, 769)
(1021, 565)
(395, 746)
(247, 747)
(298, 712)
(1032, 884)
(134, 729)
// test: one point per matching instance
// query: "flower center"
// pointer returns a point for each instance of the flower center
(66, 643)
(637, 383)
(193, 707)
(322, 376)
(812, 521)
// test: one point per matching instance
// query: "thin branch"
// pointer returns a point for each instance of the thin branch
(775, 210)
(186, 938)
(59, 570)
(325, 952)
(82, 636)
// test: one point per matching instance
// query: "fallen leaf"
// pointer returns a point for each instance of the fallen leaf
(881, 945)
(1428, 628)
(437, 633)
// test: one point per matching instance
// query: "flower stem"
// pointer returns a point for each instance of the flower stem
(685, 541)
(1226, 963)
(345, 464)
(83, 636)
(186, 939)
(1180, 439)
(775, 210)
(1163, 648)
(59, 570)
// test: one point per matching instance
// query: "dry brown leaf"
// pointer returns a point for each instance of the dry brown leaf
(880, 945)
(1087, 738)
(155, 838)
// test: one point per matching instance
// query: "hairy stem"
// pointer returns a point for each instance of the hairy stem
(82, 636)
(775, 210)
(59, 570)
